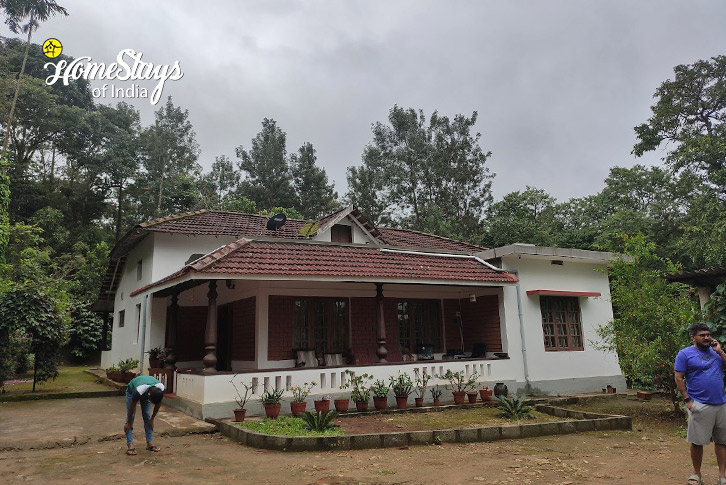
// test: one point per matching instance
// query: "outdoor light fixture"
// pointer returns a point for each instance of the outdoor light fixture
(472, 298)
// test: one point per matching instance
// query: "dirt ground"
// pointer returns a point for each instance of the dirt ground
(652, 452)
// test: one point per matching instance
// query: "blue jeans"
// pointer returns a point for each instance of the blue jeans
(145, 412)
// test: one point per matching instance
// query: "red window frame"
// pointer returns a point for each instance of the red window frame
(561, 323)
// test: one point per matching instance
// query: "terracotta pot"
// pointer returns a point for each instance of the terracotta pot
(361, 406)
(437, 402)
(297, 407)
(341, 405)
(418, 401)
(239, 414)
(458, 397)
(402, 402)
(644, 395)
(472, 396)
(486, 394)
(156, 363)
(272, 411)
(322, 406)
(380, 402)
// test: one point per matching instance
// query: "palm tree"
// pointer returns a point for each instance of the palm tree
(16, 11)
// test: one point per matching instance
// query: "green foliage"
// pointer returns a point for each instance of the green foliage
(715, 311)
(299, 393)
(4, 206)
(318, 421)
(401, 384)
(379, 388)
(28, 313)
(524, 217)
(128, 365)
(86, 331)
(287, 426)
(514, 407)
(271, 396)
(458, 380)
(360, 390)
(315, 197)
(421, 380)
(651, 317)
(435, 392)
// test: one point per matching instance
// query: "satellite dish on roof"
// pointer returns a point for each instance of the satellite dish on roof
(276, 222)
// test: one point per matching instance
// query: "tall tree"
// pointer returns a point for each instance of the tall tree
(315, 197)
(16, 12)
(267, 179)
(525, 217)
(170, 153)
(424, 172)
(219, 182)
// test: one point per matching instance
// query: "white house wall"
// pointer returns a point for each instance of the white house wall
(562, 371)
(359, 237)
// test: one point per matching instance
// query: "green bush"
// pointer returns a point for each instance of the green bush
(318, 421)
(514, 407)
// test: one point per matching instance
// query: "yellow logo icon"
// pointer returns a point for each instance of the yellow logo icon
(52, 48)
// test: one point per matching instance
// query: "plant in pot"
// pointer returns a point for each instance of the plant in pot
(402, 386)
(379, 389)
(360, 390)
(299, 393)
(156, 357)
(459, 384)
(436, 395)
(421, 379)
(123, 372)
(241, 399)
(322, 404)
(341, 404)
(271, 401)
(486, 393)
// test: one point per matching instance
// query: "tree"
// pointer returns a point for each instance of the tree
(170, 153)
(524, 217)
(267, 174)
(417, 172)
(219, 182)
(689, 115)
(650, 317)
(315, 197)
(16, 11)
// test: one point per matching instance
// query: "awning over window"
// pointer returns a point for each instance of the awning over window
(563, 293)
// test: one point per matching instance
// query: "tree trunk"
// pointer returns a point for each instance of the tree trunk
(118, 211)
(9, 124)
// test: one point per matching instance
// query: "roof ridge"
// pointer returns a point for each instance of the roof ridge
(219, 253)
(173, 217)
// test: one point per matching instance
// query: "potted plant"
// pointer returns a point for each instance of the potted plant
(380, 394)
(156, 357)
(322, 404)
(123, 371)
(472, 395)
(241, 399)
(485, 393)
(341, 404)
(460, 384)
(271, 400)
(436, 395)
(299, 393)
(421, 379)
(360, 391)
(402, 387)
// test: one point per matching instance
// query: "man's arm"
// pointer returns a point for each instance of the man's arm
(681, 385)
(719, 351)
(153, 415)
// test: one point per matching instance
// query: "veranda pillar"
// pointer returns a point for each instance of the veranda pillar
(210, 333)
(381, 321)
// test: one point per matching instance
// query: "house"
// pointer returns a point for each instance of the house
(281, 302)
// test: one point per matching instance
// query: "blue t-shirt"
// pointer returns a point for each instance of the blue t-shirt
(703, 373)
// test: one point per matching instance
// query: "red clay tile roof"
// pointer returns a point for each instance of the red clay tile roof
(416, 239)
(354, 263)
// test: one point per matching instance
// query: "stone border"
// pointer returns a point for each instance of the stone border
(579, 422)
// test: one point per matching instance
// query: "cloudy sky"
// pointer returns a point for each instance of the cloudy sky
(558, 85)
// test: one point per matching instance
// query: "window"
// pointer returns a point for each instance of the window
(341, 233)
(139, 270)
(121, 318)
(321, 324)
(561, 323)
(419, 324)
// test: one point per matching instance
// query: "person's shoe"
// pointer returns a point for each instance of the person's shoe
(696, 480)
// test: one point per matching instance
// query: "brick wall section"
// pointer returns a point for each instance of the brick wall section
(191, 323)
(280, 333)
(363, 322)
(480, 321)
(243, 329)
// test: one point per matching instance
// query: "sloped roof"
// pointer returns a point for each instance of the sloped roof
(338, 262)
(416, 239)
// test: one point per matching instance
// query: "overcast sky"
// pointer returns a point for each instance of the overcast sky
(558, 85)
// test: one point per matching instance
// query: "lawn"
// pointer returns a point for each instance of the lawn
(70, 379)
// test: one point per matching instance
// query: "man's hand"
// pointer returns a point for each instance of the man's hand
(689, 404)
(715, 345)
(127, 428)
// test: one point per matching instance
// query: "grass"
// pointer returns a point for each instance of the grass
(462, 418)
(656, 412)
(287, 426)
(70, 379)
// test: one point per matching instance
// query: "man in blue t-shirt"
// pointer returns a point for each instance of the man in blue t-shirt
(701, 365)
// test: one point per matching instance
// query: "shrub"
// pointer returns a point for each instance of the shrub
(318, 421)
(514, 407)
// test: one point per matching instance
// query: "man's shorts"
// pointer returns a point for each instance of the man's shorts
(706, 423)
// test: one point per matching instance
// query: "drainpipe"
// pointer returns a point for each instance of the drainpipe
(143, 334)
(521, 328)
